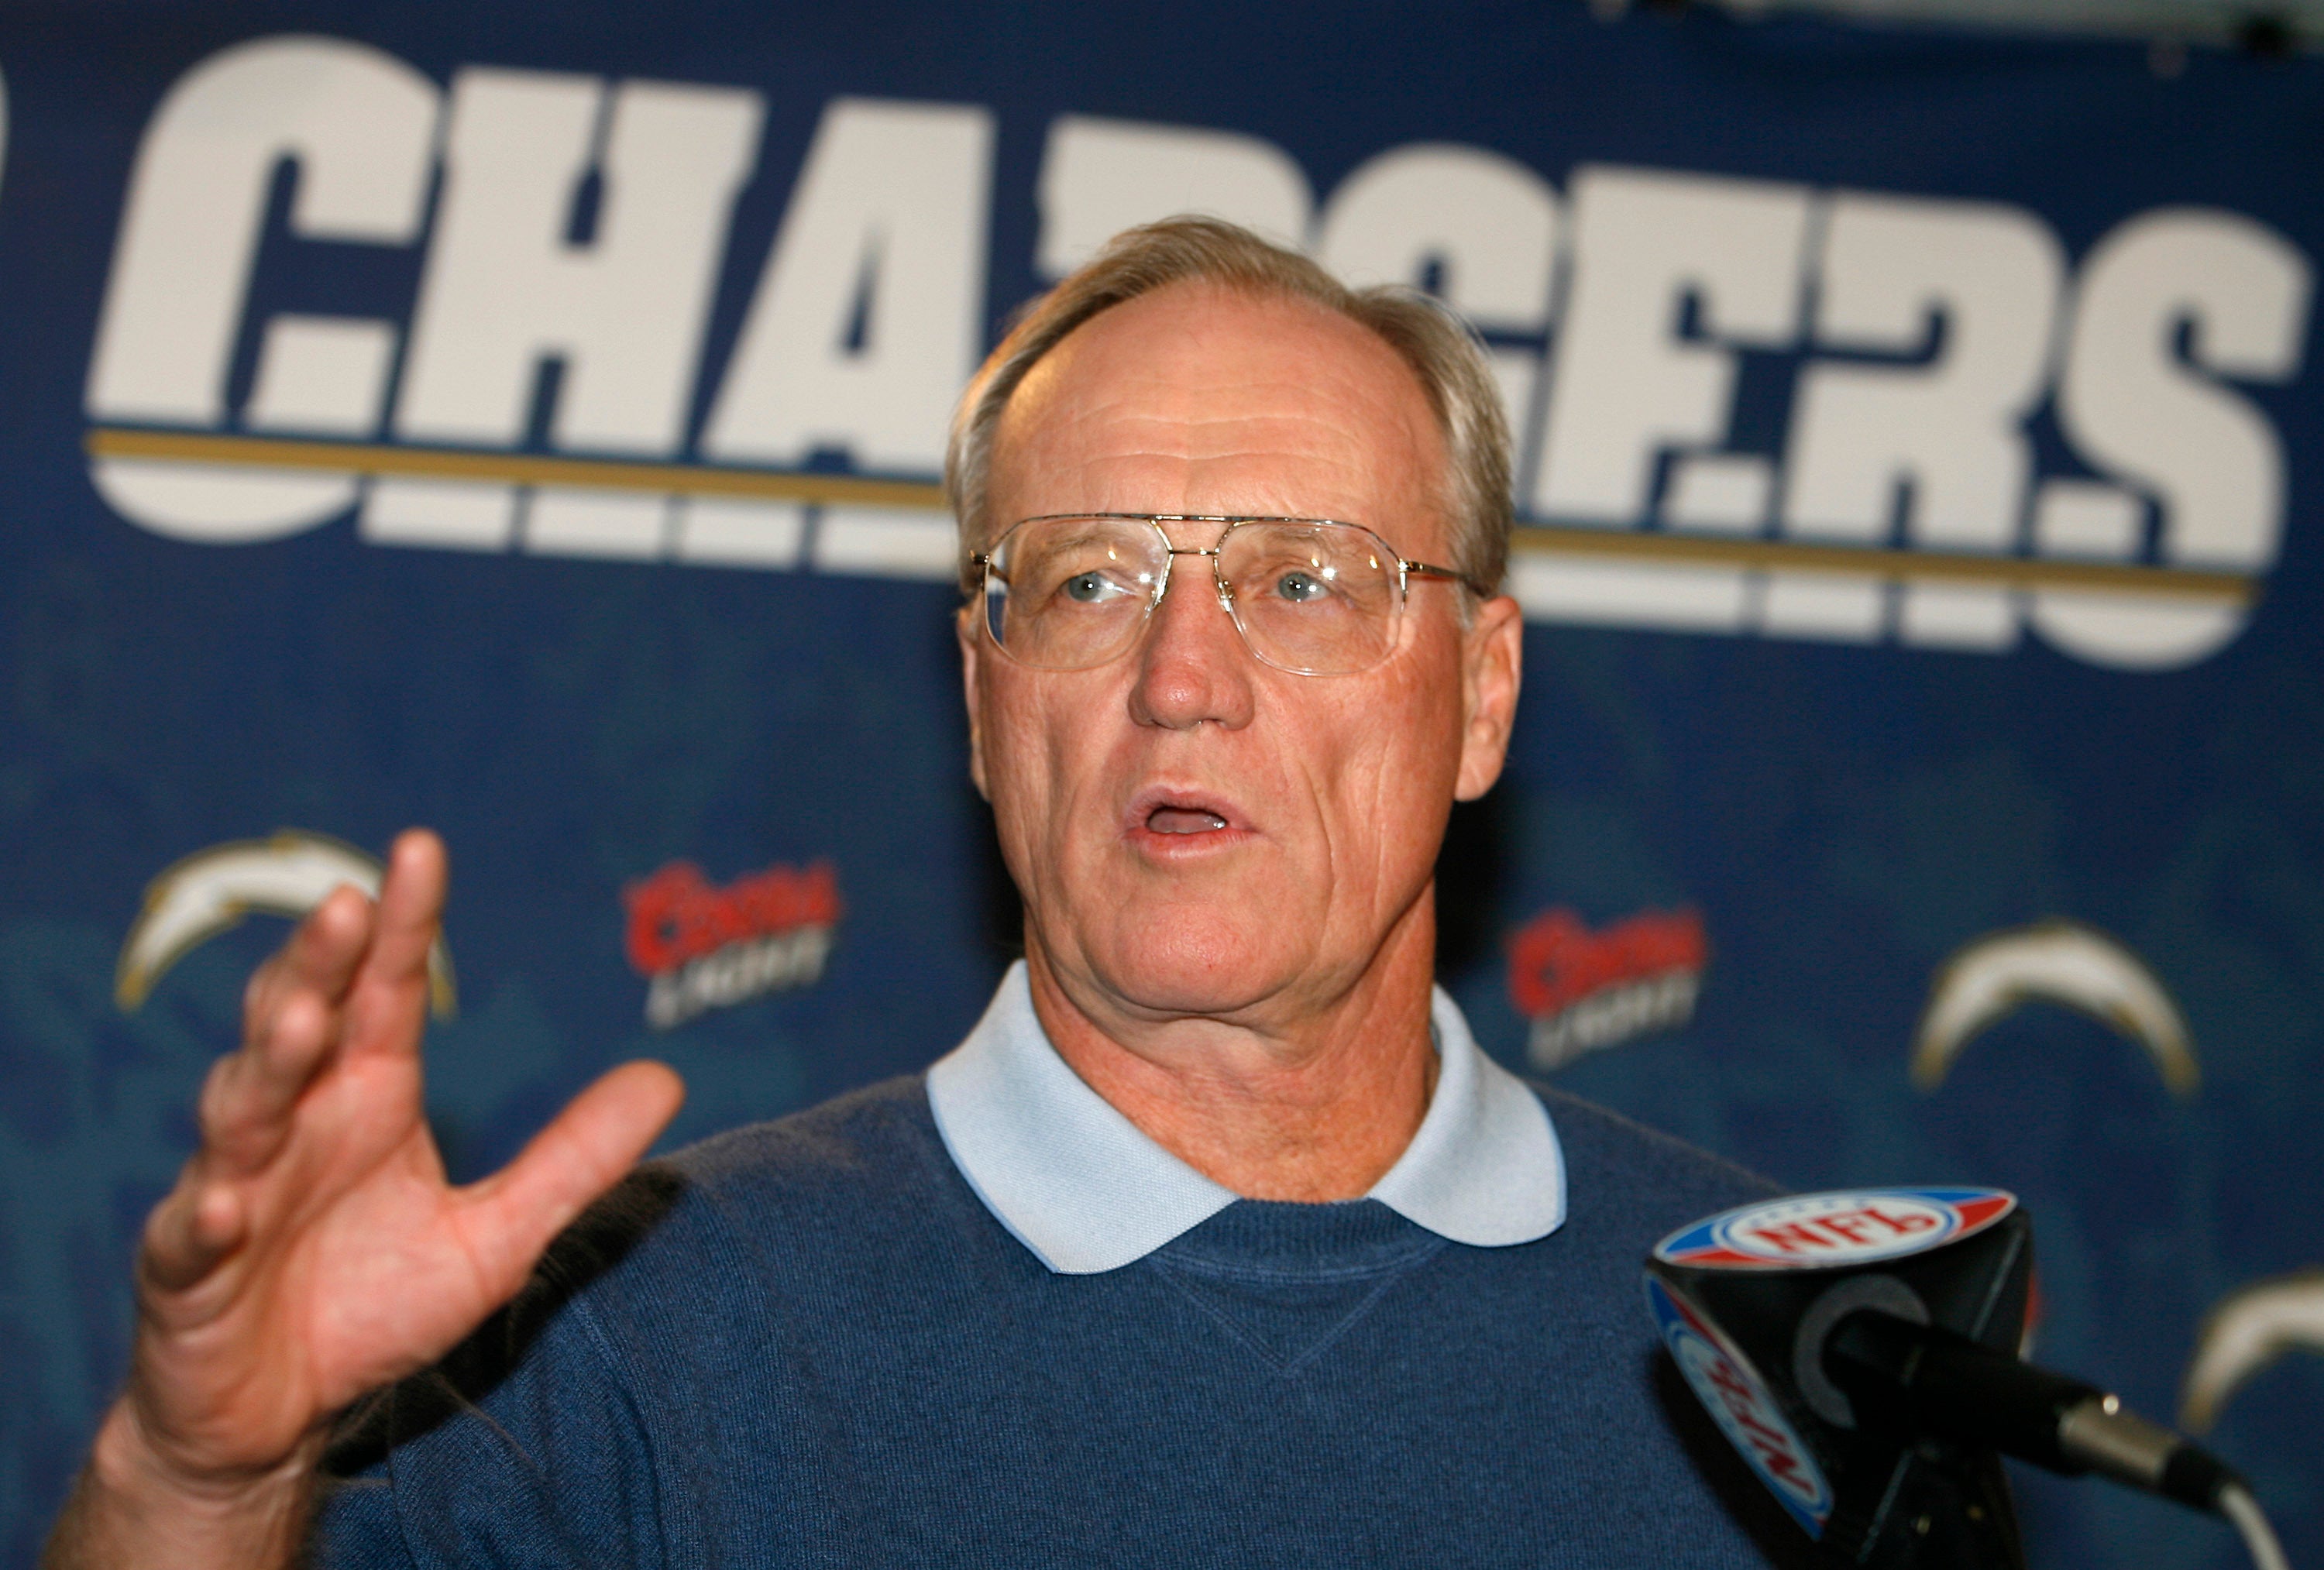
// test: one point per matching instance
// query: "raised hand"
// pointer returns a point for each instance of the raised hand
(312, 1250)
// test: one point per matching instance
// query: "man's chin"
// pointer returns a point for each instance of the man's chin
(1179, 962)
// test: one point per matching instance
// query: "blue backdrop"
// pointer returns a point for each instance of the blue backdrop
(520, 419)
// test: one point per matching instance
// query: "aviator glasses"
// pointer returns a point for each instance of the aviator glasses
(1312, 596)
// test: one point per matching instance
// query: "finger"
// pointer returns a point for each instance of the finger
(190, 1231)
(512, 1216)
(247, 1102)
(320, 954)
(387, 1002)
(291, 1026)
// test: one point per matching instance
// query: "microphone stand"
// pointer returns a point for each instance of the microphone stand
(1858, 1348)
(1907, 1379)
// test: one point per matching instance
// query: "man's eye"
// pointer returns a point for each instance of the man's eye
(1301, 588)
(1089, 588)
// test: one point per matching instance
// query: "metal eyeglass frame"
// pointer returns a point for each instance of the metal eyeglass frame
(1406, 571)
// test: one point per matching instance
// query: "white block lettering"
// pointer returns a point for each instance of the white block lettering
(870, 314)
(219, 504)
(1958, 616)
(454, 515)
(1626, 386)
(1100, 177)
(2142, 409)
(2138, 408)
(570, 520)
(357, 124)
(322, 376)
(1593, 590)
(726, 532)
(1830, 607)
(884, 542)
(1981, 282)
(625, 311)
(1484, 226)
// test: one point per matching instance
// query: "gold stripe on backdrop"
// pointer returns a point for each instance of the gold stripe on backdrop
(1633, 545)
(513, 468)
(1862, 560)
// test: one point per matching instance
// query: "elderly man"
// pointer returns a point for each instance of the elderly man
(1217, 1241)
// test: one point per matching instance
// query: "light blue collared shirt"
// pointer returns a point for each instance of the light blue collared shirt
(1087, 1190)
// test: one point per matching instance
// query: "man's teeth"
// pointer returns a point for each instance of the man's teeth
(1183, 820)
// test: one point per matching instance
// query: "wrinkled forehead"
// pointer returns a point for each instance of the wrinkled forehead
(1197, 399)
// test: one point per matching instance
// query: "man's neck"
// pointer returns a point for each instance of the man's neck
(1318, 1115)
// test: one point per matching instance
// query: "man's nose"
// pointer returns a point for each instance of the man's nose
(1192, 665)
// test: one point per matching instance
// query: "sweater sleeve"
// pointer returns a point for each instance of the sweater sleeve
(550, 1466)
(526, 1445)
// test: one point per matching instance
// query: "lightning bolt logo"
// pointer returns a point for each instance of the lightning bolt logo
(2054, 961)
(211, 891)
(2249, 1328)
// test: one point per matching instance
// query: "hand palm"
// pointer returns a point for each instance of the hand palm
(313, 1249)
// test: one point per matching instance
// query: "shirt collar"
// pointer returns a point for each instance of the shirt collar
(1087, 1190)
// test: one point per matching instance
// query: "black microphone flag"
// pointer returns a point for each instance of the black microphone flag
(1748, 1300)
(1861, 1349)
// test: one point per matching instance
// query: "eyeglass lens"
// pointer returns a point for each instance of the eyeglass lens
(1067, 593)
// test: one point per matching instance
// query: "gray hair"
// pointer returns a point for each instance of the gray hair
(1441, 349)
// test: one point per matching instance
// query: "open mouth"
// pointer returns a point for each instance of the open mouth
(1182, 813)
(1170, 820)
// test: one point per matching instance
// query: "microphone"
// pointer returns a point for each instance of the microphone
(1861, 1350)
(1915, 1379)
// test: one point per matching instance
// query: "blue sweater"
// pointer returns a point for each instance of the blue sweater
(808, 1342)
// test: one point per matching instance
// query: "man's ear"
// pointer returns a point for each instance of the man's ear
(972, 655)
(1493, 662)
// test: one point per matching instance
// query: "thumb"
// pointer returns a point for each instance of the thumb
(513, 1215)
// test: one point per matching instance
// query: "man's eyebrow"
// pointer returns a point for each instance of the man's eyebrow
(1087, 535)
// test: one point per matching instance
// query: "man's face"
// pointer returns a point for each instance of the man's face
(1193, 832)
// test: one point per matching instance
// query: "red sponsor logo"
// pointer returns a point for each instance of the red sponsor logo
(707, 947)
(1585, 990)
